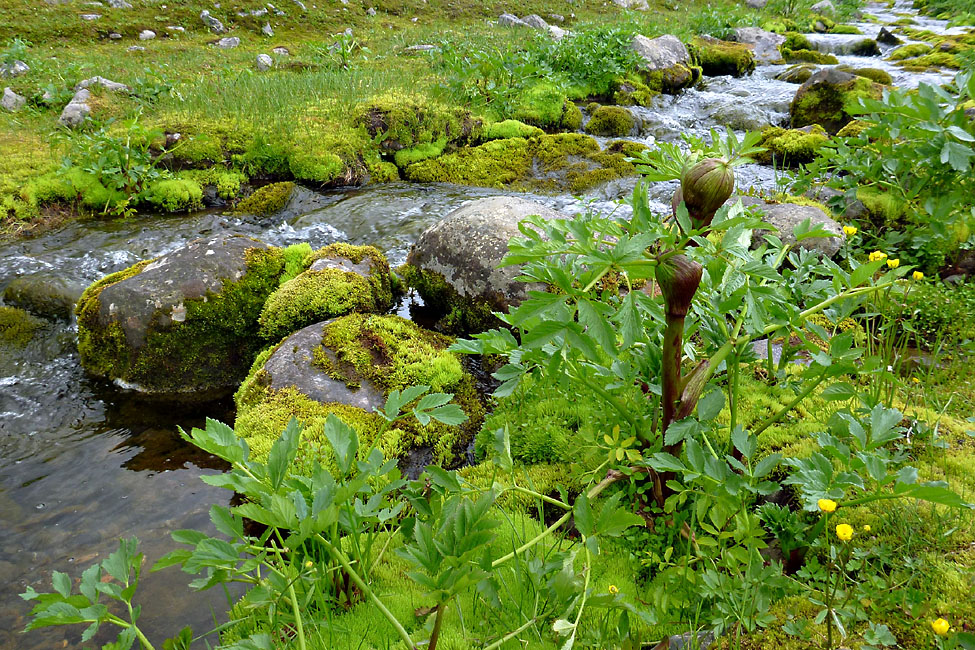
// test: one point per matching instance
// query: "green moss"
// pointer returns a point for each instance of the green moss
(866, 47)
(909, 51)
(294, 261)
(227, 182)
(631, 91)
(825, 104)
(268, 200)
(402, 121)
(885, 210)
(174, 195)
(17, 327)
(873, 74)
(458, 314)
(797, 41)
(405, 157)
(931, 61)
(390, 353)
(808, 56)
(509, 129)
(611, 121)
(546, 106)
(853, 129)
(217, 337)
(718, 57)
(791, 146)
(673, 80)
(383, 172)
(845, 29)
(317, 295)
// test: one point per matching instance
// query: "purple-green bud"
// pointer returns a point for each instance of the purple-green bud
(705, 187)
(679, 278)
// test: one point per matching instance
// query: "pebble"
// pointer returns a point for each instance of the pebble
(228, 43)
(281, 51)
(11, 101)
(212, 23)
(90, 16)
(371, 11)
(119, 4)
(264, 62)
(147, 35)
(266, 30)
(135, 48)
(115, 36)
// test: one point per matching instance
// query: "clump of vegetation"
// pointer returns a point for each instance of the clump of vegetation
(611, 121)
(17, 327)
(718, 57)
(268, 200)
(807, 56)
(791, 146)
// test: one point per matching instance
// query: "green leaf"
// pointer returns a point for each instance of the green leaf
(839, 392)
(283, 453)
(501, 446)
(62, 583)
(663, 462)
(935, 493)
(583, 515)
(710, 405)
(449, 414)
(613, 519)
(344, 441)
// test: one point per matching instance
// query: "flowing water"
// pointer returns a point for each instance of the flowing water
(83, 463)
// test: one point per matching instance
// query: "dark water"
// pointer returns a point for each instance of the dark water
(83, 463)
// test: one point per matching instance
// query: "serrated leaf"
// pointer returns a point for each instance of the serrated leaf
(344, 441)
(283, 453)
(582, 512)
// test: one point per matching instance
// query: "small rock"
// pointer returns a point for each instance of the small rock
(212, 23)
(176, 28)
(281, 51)
(264, 62)
(267, 31)
(424, 47)
(741, 116)
(48, 295)
(115, 36)
(77, 110)
(147, 35)
(135, 48)
(301, 5)
(556, 18)
(824, 7)
(11, 101)
(371, 11)
(536, 21)
(228, 43)
(636, 5)
(887, 38)
(510, 20)
(14, 69)
(820, 27)
(119, 4)
(557, 33)
(90, 16)
(756, 4)
(107, 84)
(797, 74)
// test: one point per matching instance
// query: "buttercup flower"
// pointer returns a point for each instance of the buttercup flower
(940, 626)
(827, 505)
(844, 532)
(309, 564)
(613, 589)
(866, 528)
(917, 275)
(849, 231)
(894, 263)
(877, 256)
(915, 380)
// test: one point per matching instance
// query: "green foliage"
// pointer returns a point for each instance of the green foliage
(613, 121)
(792, 147)
(936, 313)
(268, 200)
(915, 149)
(173, 195)
(16, 49)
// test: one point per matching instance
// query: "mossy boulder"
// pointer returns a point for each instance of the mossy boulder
(612, 121)
(546, 106)
(17, 327)
(717, 57)
(910, 51)
(404, 121)
(931, 62)
(791, 146)
(865, 47)
(808, 56)
(632, 91)
(509, 129)
(797, 74)
(853, 129)
(45, 294)
(268, 200)
(347, 367)
(338, 279)
(183, 325)
(665, 63)
(565, 162)
(873, 74)
(454, 264)
(825, 96)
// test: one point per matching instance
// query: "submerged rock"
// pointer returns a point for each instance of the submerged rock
(797, 74)
(49, 295)
(347, 367)
(823, 97)
(182, 325)
(454, 264)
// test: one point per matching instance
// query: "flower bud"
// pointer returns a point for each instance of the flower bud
(705, 188)
(679, 279)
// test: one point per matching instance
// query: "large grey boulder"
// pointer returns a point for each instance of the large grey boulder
(77, 110)
(183, 325)
(463, 253)
(740, 116)
(784, 217)
(660, 53)
(49, 295)
(823, 7)
(212, 23)
(11, 101)
(765, 45)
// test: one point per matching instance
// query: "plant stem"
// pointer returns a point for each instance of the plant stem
(435, 635)
(532, 493)
(775, 417)
(500, 642)
(344, 561)
(298, 626)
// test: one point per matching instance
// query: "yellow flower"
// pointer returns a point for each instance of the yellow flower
(915, 380)
(827, 505)
(917, 275)
(844, 532)
(613, 589)
(866, 528)
(877, 256)
(940, 626)
(309, 564)
(849, 230)
(894, 263)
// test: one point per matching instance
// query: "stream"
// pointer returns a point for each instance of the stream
(83, 463)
